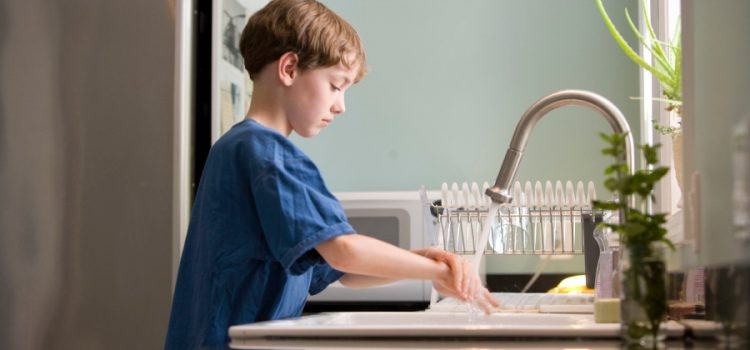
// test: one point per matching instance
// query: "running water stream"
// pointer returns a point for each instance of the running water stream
(480, 248)
(481, 245)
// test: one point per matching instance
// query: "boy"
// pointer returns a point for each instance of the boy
(265, 231)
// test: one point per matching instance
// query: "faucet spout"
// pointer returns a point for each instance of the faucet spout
(501, 192)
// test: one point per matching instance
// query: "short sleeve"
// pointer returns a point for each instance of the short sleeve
(323, 275)
(297, 212)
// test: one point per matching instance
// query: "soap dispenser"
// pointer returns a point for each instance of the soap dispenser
(607, 285)
(607, 279)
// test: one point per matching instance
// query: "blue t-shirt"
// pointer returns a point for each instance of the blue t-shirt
(260, 210)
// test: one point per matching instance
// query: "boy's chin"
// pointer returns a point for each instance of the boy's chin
(308, 133)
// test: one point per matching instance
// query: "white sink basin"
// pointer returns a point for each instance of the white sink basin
(435, 324)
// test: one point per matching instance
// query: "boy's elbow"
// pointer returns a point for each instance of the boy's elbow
(349, 281)
(339, 252)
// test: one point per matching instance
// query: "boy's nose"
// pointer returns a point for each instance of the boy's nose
(338, 107)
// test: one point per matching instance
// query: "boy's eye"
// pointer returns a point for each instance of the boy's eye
(335, 88)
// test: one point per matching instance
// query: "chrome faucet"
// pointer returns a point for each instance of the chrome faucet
(502, 192)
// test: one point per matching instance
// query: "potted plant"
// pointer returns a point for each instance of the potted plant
(666, 68)
(642, 268)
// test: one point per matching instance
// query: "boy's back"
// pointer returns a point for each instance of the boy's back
(260, 210)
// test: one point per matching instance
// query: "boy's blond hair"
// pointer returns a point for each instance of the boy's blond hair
(318, 36)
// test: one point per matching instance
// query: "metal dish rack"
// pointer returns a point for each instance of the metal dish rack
(517, 230)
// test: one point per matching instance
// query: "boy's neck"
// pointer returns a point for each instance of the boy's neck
(265, 110)
(274, 123)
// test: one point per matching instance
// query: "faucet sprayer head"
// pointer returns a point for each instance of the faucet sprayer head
(501, 192)
(499, 195)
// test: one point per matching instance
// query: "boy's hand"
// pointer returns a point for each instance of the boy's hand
(461, 268)
(445, 284)
(483, 299)
(464, 283)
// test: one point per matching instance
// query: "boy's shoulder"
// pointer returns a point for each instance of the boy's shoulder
(261, 141)
(250, 132)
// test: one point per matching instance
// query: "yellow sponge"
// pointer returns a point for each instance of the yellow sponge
(572, 285)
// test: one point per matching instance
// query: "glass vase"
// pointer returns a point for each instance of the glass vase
(643, 293)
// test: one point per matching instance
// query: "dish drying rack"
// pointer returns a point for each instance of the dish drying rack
(541, 220)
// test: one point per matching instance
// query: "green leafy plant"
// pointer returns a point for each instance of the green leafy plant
(667, 57)
(636, 227)
(644, 284)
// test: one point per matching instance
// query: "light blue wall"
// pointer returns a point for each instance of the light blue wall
(449, 80)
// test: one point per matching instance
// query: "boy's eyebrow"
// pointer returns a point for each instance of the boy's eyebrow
(346, 79)
(343, 76)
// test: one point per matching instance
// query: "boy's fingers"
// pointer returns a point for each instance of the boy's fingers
(484, 301)
(459, 270)
(465, 277)
(485, 305)
(486, 295)
(491, 299)
(478, 291)
(458, 276)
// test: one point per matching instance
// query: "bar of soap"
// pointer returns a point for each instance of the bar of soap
(607, 310)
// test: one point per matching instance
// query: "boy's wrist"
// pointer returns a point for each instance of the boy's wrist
(443, 271)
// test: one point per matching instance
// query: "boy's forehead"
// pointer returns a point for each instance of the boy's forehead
(342, 71)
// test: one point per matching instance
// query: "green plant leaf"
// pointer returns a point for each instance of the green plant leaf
(624, 45)
(651, 30)
(677, 54)
(649, 153)
(657, 53)
(657, 174)
(668, 243)
(666, 100)
(605, 205)
(668, 72)
(606, 137)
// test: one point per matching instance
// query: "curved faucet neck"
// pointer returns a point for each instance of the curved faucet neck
(501, 191)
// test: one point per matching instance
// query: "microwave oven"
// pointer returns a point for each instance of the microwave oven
(399, 218)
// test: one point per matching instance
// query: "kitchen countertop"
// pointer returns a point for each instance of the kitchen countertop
(392, 344)
(440, 330)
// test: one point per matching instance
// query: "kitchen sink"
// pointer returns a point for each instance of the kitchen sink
(435, 325)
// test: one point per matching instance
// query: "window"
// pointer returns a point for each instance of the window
(665, 19)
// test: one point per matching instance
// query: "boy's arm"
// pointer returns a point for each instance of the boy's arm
(353, 280)
(363, 255)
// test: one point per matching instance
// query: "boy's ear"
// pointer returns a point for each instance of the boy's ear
(287, 69)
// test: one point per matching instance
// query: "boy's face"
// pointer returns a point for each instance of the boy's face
(316, 96)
